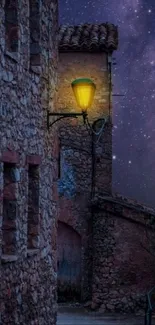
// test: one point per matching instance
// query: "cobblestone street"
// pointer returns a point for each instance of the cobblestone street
(79, 316)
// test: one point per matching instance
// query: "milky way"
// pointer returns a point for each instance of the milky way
(133, 76)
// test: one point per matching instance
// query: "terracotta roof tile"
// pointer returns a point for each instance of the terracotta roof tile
(88, 38)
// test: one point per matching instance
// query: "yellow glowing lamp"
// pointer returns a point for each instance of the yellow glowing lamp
(84, 91)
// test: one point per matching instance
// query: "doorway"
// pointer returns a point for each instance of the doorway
(69, 264)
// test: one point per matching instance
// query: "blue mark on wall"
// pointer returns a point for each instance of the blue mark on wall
(67, 182)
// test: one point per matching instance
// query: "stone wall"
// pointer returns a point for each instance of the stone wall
(123, 269)
(28, 79)
(74, 189)
(85, 159)
(116, 269)
(79, 65)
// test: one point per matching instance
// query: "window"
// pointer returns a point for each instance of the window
(33, 207)
(9, 242)
(34, 32)
(11, 25)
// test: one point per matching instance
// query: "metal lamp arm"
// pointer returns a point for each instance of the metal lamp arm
(64, 115)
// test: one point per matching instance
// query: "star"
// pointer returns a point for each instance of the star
(134, 76)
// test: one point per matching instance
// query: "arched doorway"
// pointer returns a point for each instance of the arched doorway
(69, 263)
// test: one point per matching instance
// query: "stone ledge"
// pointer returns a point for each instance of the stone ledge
(33, 159)
(9, 156)
(13, 56)
(114, 200)
(9, 258)
(32, 252)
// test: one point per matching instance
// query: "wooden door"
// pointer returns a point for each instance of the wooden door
(69, 263)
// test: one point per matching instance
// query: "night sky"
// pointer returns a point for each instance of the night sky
(133, 76)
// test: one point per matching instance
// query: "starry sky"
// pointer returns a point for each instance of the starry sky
(133, 76)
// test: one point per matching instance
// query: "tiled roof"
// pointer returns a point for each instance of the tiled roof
(88, 38)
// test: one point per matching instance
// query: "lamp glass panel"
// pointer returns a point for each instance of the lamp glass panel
(84, 91)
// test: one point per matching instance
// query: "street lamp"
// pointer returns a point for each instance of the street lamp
(84, 91)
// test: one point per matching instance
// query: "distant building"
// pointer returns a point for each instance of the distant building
(100, 257)
(28, 76)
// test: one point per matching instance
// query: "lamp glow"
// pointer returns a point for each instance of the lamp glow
(84, 91)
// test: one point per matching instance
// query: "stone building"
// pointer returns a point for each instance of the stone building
(34, 164)
(84, 52)
(28, 210)
(123, 261)
(100, 258)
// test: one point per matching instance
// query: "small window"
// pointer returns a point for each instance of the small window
(33, 207)
(34, 32)
(11, 25)
(9, 242)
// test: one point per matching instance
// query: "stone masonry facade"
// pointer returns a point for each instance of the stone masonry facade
(115, 270)
(61, 179)
(85, 160)
(28, 162)
(123, 266)
(80, 175)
